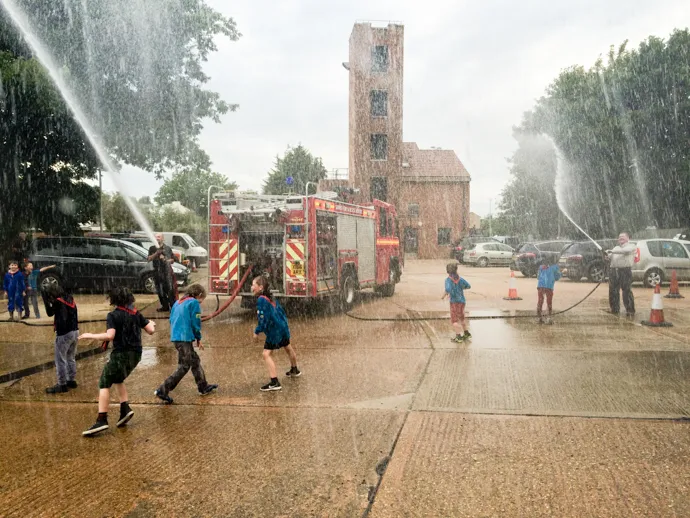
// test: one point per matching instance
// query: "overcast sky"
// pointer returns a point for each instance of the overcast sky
(471, 70)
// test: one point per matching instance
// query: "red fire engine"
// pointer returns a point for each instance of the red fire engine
(313, 246)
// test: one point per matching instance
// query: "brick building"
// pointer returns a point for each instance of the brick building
(429, 187)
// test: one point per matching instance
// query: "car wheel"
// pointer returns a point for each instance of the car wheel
(348, 292)
(149, 284)
(597, 273)
(49, 280)
(483, 262)
(652, 278)
(525, 273)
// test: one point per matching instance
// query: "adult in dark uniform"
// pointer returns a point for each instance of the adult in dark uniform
(166, 286)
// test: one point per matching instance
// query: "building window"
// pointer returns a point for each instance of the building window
(413, 210)
(379, 146)
(443, 236)
(379, 58)
(379, 103)
(379, 188)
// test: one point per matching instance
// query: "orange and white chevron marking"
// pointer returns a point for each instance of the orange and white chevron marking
(228, 264)
(294, 259)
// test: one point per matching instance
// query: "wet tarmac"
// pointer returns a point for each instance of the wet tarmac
(390, 418)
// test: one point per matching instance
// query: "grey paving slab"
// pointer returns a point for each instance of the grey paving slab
(501, 466)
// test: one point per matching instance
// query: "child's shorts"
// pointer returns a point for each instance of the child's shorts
(274, 347)
(119, 366)
(457, 312)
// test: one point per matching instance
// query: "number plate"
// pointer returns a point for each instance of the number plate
(298, 269)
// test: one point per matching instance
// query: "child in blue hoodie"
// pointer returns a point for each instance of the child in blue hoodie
(14, 285)
(185, 328)
(454, 288)
(273, 322)
(548, 275)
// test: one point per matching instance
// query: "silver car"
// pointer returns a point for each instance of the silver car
(484, 254)
(655, 259)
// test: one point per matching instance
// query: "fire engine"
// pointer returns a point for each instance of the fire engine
(309, 246)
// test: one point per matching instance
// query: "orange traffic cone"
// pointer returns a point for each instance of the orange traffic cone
(512, 288)
(674, 292)
(656, 317)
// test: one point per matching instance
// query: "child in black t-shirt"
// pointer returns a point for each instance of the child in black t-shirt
(124, 325)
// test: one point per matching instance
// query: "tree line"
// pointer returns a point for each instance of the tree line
(612, 141)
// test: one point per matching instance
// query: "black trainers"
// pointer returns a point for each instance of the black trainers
(208, 390)
(72, 384)
(126, 414)
(164, 397)
(294, 372)
(458, 339)
(57, 389)
(98, 427)
(273, 385)
(467, 335)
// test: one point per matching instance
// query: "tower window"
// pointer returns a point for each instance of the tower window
(379, 146)
(379, 58)
(379, 188)
(379, 103)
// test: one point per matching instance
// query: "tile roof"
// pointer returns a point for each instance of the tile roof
(431, 162)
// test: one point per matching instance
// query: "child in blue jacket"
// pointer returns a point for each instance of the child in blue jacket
(547, 277)
(14, 286)
(185, 328)
(273, 323)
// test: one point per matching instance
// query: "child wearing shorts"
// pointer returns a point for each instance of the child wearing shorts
(454, 289)
(124, 325)
(274, 324)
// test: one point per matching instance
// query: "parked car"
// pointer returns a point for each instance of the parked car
(527, 257)
(97, 263)
(458, 249)
(656, 258)
(484, 254)
(584, 259)
(196, 254)
(146, 244)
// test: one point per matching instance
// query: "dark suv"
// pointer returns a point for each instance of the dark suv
(584, 259)
(96, 263)
(527, 256)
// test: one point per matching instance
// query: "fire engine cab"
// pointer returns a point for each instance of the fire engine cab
(309, 246)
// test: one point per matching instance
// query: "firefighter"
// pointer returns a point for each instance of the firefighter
(162, 258)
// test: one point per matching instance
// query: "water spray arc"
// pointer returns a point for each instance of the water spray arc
(21, 21)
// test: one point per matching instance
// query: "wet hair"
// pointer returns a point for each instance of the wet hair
(14, 262)
(265, 285)
(452, 268)
(53, 291)
(625, 232)
(197, 291)
(120, 296)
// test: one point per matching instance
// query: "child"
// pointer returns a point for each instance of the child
(61, 306)
(185, 327)
(454, 289)
(547, 277)
(14, 286)
(124, 325)
(273, 323)
(31, 297)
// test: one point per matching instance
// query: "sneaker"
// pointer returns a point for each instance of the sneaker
(164, 397)
(273, 385)
(57, 389)
(98, 427)
(25, 317)
(125, 415)
(458, 339)
(548, 321)
(630, 314)
(72, 384)
(294, 372)
(208, 390)
(467, 335)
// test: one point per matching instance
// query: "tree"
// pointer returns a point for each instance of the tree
(300, 165)
(136, 70)
(190, 188)
(44, 160)
(621, 130)
(171, 220)
(117, 216)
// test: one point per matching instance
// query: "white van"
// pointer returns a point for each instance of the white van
(196, 254)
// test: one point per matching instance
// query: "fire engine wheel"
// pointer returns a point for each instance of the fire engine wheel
(349, 292)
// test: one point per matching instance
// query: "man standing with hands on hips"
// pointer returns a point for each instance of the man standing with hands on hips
(166, 286)
(621, 260)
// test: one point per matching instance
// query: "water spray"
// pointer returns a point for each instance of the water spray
(21, 21)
